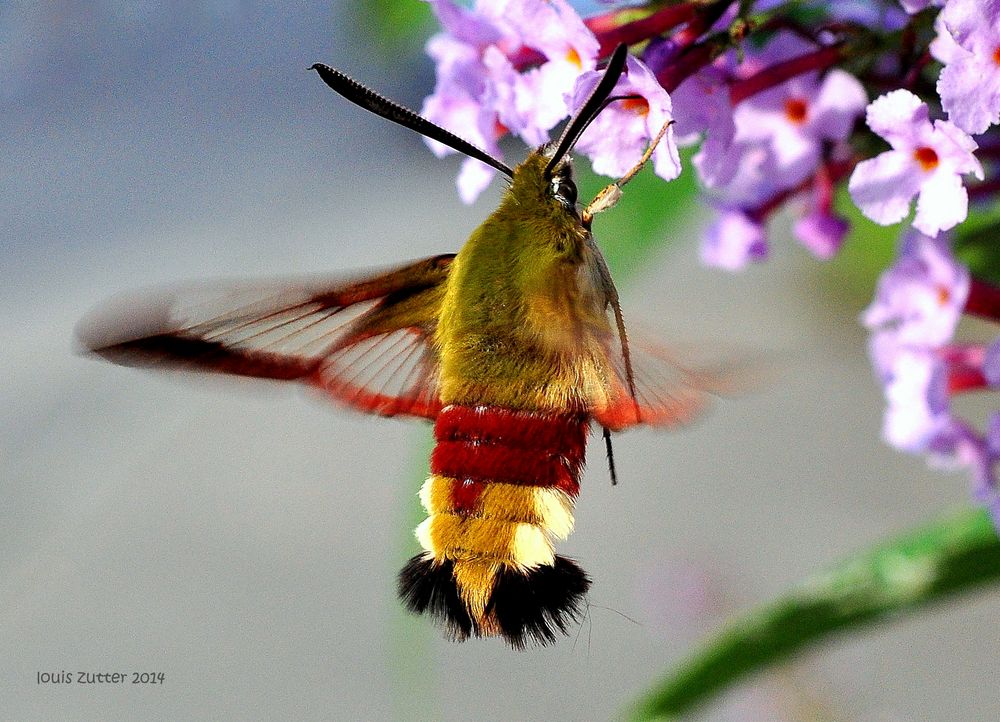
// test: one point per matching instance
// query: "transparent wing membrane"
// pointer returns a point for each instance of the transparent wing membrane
(366, 343)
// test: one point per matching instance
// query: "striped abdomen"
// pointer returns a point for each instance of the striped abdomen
(501, 489)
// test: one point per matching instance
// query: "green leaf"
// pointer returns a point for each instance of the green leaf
(976, 242)
(933, 563)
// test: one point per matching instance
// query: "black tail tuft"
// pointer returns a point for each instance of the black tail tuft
(527, 607)
(530, 607)
(428, 586)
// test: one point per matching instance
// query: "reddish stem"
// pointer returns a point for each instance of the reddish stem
(689, 63)
(829, 173)
(610, 32)
(962, 354)
(913, 74)
(983, 300)
(687, 57)
(610, 35)
(820, 59)
(824, 188)
(965, 378)
(965, 366)
(700, 23)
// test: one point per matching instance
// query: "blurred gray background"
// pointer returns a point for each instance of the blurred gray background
(244, 541)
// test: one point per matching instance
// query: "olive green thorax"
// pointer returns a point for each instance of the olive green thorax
(524, 299)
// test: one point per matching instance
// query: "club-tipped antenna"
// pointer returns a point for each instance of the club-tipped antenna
(591, 108)
(375, 103)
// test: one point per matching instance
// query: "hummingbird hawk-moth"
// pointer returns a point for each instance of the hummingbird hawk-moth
(514, 347)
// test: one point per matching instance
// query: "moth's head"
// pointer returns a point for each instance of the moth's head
(537, 185)
(546, 176)
(561, 183)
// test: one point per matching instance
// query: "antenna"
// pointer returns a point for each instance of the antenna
(592, 107)
(375, 103)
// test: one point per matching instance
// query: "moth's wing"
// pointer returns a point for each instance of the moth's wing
(670, 388)
(642, 383)
(367, 342)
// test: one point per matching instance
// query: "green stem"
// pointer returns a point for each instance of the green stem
(938, 561)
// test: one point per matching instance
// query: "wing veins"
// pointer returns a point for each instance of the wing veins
(324, 316)
(233, 321)
(373, 341)
(266, 329)
(412, 392)
(404, 360)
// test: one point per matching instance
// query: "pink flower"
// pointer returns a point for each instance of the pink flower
(734, 240)
(917, 306)
(916, 392)
(960, 446)
(618, 137)
(920, 298)
(773, 142)
(480, 95)
(704, 109)
(789, 122)
(969, 84)
(991, 364)
(737, 237)
(925, 159)
(553, 28)
(794, 119)
(821, 231)
(754, 181)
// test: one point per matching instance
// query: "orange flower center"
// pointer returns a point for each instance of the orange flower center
(574, 57)
(639, 106)
(926, 157)
(943, 295)
(796, 110)
(996, 55)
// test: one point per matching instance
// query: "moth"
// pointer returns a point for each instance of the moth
(514, 347)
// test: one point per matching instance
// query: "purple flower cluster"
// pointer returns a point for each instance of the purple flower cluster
(917, 307)
(883, 98)
(481, 93)
(968, 45)
(776, 142)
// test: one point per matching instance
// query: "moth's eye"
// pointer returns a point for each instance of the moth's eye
(564, 190)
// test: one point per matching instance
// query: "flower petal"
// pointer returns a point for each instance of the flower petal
(883, 186)
(970, 92)
(473, 179)
(943, 203)
(917, 401)
(732, 241)
(841, 100)
(896, 116)
(822, 233)
(617, 138)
